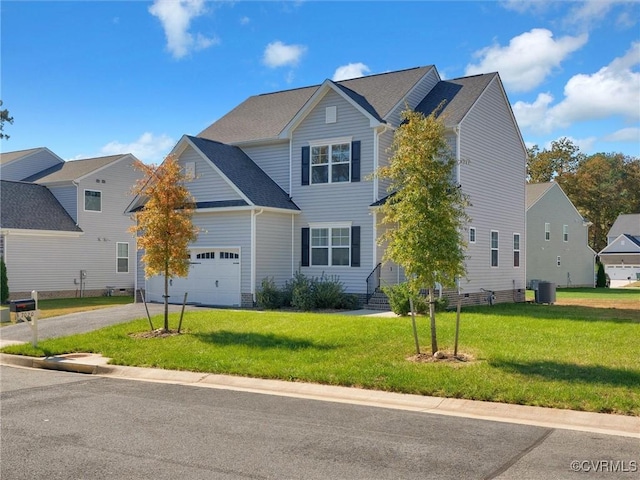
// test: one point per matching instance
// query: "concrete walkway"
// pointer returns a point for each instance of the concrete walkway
(97, 365)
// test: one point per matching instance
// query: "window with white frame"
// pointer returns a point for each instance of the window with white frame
(472, 234)
(565, 233)
(547, 231)
(92, 200)
(122, 257)
(330, 246)
(516, 249)
(558, 261)
(494, 248)
(331, 163)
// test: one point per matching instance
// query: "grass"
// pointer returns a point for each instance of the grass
(548, 355)
(64, 306)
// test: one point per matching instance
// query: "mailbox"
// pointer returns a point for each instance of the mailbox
(24, 305)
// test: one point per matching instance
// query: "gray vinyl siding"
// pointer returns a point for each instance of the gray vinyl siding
(337, 202)
(273, 159)
(68, 198)
(494, 179)
(208, 186)
(273, 247)
(28, 166)
(227, 230)
(384, 155)
(414, 98)
(577, 259)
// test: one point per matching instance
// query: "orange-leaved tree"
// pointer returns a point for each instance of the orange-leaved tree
(164, 224)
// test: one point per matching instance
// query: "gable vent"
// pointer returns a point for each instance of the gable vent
(331, 114)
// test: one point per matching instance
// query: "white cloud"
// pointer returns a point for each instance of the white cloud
(631, 134)
(527, 60)
(245, 20)
(351, 70)
(148, 148)
(176, 16)
(278, 54)
(613, 90)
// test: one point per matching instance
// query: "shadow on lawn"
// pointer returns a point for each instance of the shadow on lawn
(559, 312)
(570, 372)
(260, 340)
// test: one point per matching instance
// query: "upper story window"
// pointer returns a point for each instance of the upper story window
(516, 249)
(565, 233)
(472, 234)
(92, 201)
(494, 248)
(331, 161)
(547, 231)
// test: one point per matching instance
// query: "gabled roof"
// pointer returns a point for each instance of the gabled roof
(623, 244)
(535, 191)
(628, 223)
(6, 158)
(244, 174)
(460, 95)
(264, 117)
(73, 170)
(28, 206)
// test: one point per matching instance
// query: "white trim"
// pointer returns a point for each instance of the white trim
(330, 224)
(84, 200)
(491, 249)
(475, 235)
(39, 233)
(254, 249)
(330, 141)
(246, 208)
(519, 250)
(119, 257)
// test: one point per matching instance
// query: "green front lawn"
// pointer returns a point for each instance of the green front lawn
(547, 355)
(64, 306)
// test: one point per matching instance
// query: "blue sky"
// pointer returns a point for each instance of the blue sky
(87, 78)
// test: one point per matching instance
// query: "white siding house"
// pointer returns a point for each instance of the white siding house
(621, 256)
(64, 229)
(284, 181)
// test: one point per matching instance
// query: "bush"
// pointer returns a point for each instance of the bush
(302, 293)
(398, 296)
(4, 282)
(269, 296)
(328, 292)
(601, 277)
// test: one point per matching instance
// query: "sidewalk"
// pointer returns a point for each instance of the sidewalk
(601, 423)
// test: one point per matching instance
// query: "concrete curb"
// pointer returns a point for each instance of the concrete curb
(601, 423)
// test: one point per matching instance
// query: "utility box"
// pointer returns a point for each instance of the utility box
(24, 305)
(546, 293)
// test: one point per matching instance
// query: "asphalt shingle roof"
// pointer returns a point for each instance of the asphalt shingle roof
(459, 93)
(628, 223)
(11, 156)
(30, 206)
(264, 116)
(72, 170)
(258, 187)
(534, 191)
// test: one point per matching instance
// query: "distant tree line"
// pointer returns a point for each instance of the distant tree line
(601, 186)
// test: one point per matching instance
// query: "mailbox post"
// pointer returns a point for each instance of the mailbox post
(26, 310)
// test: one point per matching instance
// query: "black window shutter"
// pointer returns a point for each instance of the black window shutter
(305, 247)
(355, 246)
(305, 165)
(355, 161)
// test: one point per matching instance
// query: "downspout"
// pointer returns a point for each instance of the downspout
(293, 245)
(253, 251)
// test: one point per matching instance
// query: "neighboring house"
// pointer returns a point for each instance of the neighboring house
(283, 183)
(621, 256)
(557, 239)
(63, 231)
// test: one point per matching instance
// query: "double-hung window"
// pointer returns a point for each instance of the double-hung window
(565, 233)
(494, 248)
(92, 201)
(516, 249)
(330, 246)
(547, 231)
(472, 234)
(331, 163)
(122, 257)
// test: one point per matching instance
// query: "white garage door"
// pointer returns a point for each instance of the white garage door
(214, 279)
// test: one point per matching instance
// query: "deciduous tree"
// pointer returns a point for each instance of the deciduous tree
(164, 225)
(4, 117)
(424, 215)
(544, 165)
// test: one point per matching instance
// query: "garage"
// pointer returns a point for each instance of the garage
(214, 279)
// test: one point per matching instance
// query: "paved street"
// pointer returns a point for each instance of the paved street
(59, 425)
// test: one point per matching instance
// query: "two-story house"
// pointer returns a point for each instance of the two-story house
(63, 231)
(621, 256)
(284, 183)
(557, 239)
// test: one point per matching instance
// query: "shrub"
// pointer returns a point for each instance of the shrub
(4, 282)
(601, 277)
(328, 292)
(398, 296)
(301, 293)
(269, 296)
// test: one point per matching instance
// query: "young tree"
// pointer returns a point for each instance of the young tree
(425, 213)
(4, 282)
(164, 225)
(4, 117)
